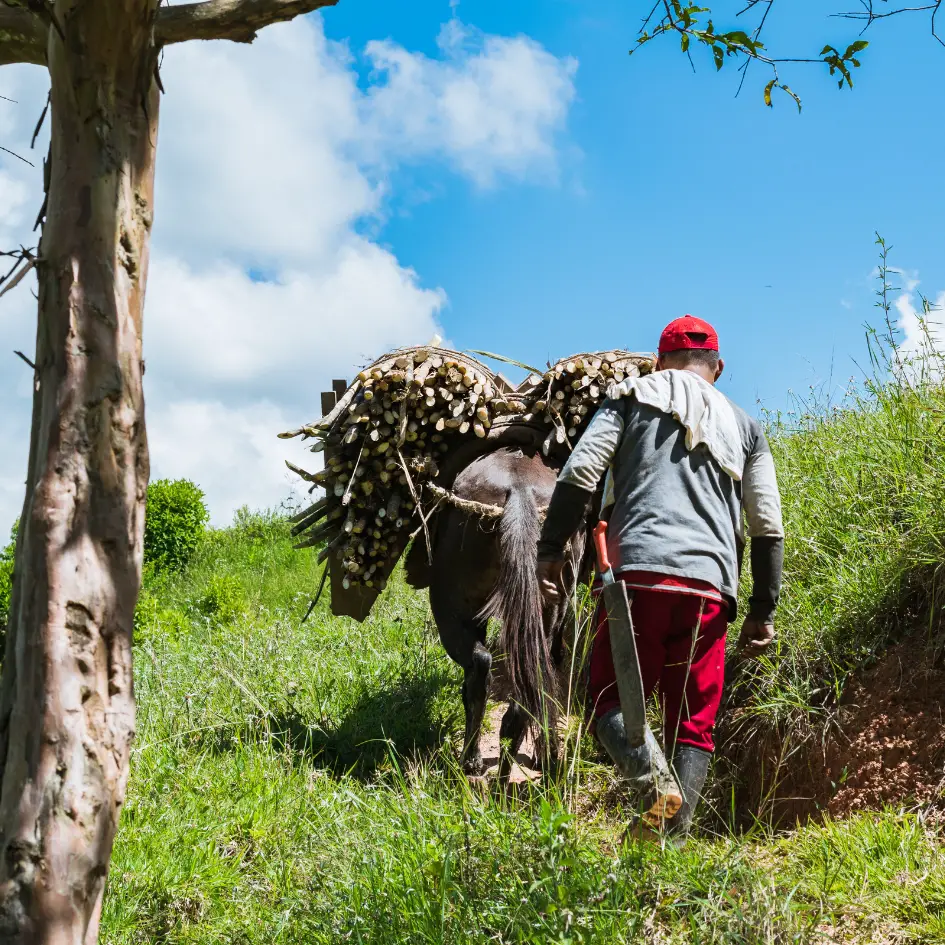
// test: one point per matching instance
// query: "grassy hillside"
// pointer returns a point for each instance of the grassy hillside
(864, 505)
(297, 783)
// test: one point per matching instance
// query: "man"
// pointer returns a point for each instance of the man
(683, 466)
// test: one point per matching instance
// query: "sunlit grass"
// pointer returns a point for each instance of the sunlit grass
(296, 782)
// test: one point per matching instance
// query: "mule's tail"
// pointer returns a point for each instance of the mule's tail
(516, 601)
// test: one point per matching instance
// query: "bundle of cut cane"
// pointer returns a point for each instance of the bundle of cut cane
(567, 394)
(383, 441)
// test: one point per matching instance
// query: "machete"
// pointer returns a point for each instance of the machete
(646, 762)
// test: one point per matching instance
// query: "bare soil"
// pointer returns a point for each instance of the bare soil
(890, 747)
(885, 747)
(525, 767)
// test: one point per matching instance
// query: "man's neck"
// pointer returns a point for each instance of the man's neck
(701, 371)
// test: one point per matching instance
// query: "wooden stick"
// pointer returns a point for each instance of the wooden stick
(320, 511)
(319, 534)
(330, 547)
(311, 510)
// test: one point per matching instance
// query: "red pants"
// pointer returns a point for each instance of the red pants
(681, 644)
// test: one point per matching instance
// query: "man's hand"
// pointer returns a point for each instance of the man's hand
(756, 637)
(549, 580)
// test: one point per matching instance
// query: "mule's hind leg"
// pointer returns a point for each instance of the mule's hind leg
(463, 636)
(475, 691)
(511, 735)
(546, 741)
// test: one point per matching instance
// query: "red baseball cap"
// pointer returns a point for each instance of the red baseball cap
(686, 333)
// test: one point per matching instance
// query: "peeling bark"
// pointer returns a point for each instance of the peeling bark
(66, 695)
(236, 20)
(66, 700)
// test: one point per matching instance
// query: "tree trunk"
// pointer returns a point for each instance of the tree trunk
(66, 701)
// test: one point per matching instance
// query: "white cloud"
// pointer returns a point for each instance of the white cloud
(253, 162)
(923, 332)
(216, 329)
(908, 277)
(273, 164)
(491, 107)
(231, 452)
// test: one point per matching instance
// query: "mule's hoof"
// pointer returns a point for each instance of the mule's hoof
(474, 766)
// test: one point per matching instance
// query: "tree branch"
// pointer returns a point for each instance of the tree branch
(236, 20)
(869, 16)
(23, 36)
(682, 18)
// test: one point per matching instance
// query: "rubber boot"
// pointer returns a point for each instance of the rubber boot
(690, 765)
(651, 782)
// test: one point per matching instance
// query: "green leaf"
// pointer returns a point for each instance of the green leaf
(788, 90)
(719, 57)
(768, 89)
(827, 49)
(504, 359)
(684, 42)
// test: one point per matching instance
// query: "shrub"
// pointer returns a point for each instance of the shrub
(222, 601)
(6, 586)
(175, 522)
(154, 622)
(259, 528)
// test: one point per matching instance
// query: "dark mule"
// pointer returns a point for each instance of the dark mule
(485, 568)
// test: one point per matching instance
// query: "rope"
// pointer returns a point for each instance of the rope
(470, 506)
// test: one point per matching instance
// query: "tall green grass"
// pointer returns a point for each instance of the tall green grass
(864, 511)
(296, 782)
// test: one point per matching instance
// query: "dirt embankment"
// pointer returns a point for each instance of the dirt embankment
(886, 746)
(890, 747)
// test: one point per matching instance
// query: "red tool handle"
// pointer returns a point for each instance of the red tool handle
(600, 543)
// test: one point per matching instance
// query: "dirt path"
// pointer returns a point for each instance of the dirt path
(524, 768)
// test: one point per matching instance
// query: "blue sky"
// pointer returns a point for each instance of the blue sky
(503, 174)
(677, 197)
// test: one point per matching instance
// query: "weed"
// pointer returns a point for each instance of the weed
(221, 602)
(175, 522)
(297, 783)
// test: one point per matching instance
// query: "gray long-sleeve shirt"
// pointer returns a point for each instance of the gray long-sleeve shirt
(676, 511)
